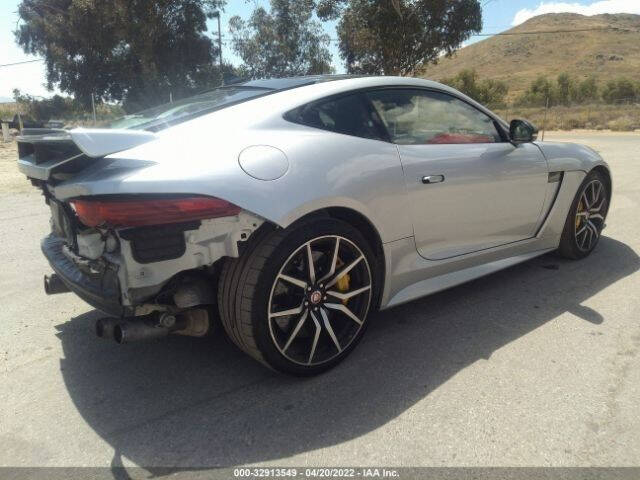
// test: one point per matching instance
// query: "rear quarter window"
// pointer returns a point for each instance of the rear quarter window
(348, 115)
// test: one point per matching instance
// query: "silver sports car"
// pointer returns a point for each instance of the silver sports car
(289, 209)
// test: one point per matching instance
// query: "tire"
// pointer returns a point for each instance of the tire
(586, 218)
(327, 317)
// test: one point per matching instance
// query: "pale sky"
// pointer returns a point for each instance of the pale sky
(498, 15)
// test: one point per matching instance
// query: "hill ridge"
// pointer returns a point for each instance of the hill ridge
(605, 46)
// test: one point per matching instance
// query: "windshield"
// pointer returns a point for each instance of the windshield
(160, 117)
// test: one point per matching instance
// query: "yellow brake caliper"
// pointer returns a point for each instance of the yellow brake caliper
(578, 216)
(343, 283)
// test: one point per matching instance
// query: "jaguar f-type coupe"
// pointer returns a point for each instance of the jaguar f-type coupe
(288, 210)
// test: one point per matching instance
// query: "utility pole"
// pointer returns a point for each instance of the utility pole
(544, 122)
(93, 108)
(216, 14)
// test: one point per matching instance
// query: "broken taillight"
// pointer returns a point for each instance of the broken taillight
(150, 211)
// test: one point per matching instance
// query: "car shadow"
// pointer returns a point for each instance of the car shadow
(187, 403)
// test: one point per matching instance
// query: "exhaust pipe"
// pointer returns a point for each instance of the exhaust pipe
(106, 326)
(129, 332)
(53, 285)
(153, 326)
(194, 323)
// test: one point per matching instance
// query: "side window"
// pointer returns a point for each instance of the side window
(416, 117)
(349, 115)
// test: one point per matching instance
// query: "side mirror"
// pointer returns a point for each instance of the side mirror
(522, 131)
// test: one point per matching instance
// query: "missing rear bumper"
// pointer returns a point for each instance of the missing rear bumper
(123, 283)
(100, 291)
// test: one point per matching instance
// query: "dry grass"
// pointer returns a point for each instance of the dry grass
(624, 118)
(8, 110)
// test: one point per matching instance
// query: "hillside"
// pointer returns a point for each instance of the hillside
(603, 49)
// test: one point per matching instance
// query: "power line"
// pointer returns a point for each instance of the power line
(20, 63)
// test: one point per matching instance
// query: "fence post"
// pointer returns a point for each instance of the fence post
(544, 121)
(20, 124)
(5, 132)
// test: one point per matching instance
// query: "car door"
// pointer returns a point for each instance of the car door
(469, 188)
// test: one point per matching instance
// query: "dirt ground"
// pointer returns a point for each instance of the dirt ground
(11, 180)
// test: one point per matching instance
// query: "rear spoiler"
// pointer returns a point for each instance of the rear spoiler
(40, 150)
(98, 142)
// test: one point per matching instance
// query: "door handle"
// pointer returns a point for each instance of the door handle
(428, 179)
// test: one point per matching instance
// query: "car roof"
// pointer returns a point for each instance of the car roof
(305, 89)
(280, 95)
(293, 82)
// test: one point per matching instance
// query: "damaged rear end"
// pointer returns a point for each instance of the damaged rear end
(149, 260)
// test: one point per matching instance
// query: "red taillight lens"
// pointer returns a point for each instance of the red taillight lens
(135, 213)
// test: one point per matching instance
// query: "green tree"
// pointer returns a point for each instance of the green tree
(44, 109)
(488, 92)
(397, 37)
(621, 90)
(284, 41)
(132, 50)
(539, 92)
(588, 90)
(567, 89)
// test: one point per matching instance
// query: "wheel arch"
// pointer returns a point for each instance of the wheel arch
(604, 171)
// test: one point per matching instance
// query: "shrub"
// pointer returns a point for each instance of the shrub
(587, 91)
(539, 91)
(567, 89)
(488, 92)
(621, 90)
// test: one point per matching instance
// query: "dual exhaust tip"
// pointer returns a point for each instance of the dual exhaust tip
(191, 321)
(122, 331)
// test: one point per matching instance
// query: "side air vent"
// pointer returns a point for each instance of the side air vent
(554, 177)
